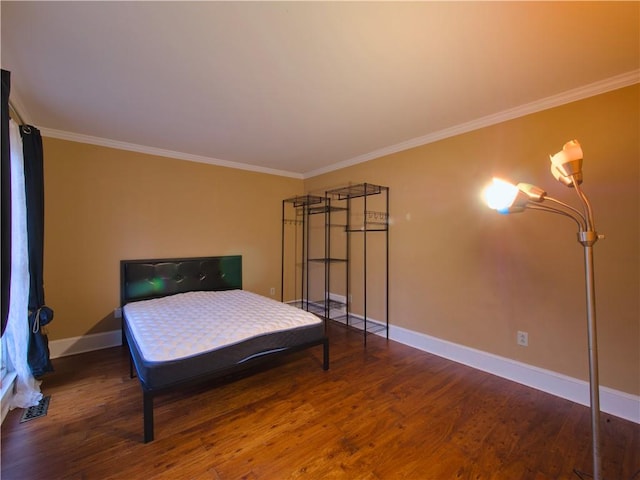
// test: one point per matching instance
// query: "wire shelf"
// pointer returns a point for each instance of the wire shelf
(328, 260)
(353, 191)
(304, 200)
(359, 323)
(318, 307)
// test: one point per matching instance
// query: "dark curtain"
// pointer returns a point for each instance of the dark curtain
(6, 199)
(39, 313)
(34, 190)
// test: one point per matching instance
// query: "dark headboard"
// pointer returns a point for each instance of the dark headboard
(145, 279)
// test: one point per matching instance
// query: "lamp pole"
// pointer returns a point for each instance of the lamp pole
(588, 239)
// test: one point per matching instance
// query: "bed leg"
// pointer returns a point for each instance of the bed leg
(325, 354)
(147, 400)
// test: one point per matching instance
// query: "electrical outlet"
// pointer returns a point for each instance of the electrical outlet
(523, 339)
(272, 291)
(117, 313)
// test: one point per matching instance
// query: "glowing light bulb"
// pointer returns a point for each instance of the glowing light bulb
(500, 194)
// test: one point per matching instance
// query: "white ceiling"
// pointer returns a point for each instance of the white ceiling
(299, 88)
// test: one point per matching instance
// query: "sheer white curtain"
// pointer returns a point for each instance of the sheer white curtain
(27, 391)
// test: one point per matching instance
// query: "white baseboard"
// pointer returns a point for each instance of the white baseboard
(615, 402)
(85, 343)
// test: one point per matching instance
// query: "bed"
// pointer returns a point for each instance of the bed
(187, 320)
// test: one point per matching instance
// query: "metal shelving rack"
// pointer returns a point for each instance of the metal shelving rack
(346, 215)
(357, 200)
(295, 214)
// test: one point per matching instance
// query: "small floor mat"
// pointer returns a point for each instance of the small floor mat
(36, 411)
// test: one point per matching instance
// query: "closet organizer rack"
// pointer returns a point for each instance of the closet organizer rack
(346, 233)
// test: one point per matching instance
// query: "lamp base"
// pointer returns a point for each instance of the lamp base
(584, 476)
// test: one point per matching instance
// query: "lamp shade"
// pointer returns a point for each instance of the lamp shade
(535, 194)
(566, 165)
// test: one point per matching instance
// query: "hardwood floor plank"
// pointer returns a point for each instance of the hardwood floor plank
(387, 412)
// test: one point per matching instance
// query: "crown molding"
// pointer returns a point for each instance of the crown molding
(586, 91)
(132, 147)
(15, 100)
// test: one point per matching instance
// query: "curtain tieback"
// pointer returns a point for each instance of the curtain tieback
(43, 315)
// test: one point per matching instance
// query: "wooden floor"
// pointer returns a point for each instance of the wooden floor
(387, 412)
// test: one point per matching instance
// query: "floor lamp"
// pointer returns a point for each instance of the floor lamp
(566, 167)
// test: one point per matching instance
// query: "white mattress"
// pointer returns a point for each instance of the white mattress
(188, 324)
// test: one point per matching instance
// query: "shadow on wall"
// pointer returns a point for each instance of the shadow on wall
(104, 334)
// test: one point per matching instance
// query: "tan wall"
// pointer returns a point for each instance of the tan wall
(463, 273)
(104, 205)
(459, 271)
